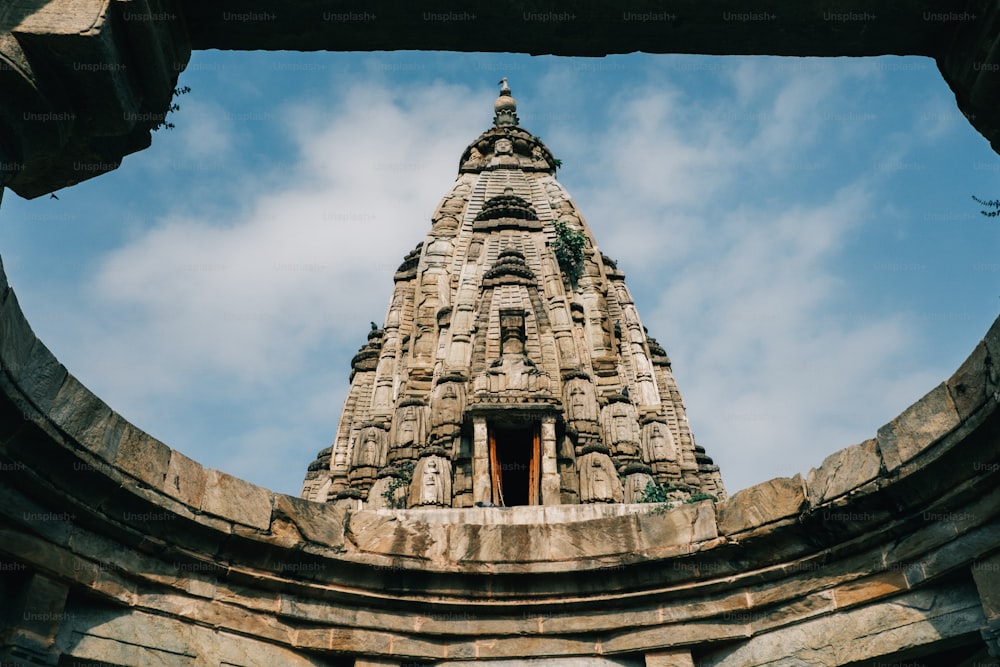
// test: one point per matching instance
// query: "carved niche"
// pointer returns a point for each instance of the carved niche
(448, 403)
(580, 399)
(635, 486)
(431, 483)
(658, 443)
(409, 429)
(599, 481)
(370, 448)
(621, 429)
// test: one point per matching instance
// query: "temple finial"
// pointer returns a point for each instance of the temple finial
(505, 108)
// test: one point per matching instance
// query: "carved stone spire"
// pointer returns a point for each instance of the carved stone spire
(502, 374)
(505, 108)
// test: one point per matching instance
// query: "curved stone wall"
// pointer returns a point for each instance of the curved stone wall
(117, 550)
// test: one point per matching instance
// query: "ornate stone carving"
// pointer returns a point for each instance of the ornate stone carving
(599, 481)
(658, 443)
(409, 428)
(635, 486)
(448, 403)
(621, 430)
(431, 483)
(580, 399)
(370, 449)
(483, 329)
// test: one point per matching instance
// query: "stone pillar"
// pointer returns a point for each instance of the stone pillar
(677, 657)
(550, 468)
(986, 574)
(481, 484)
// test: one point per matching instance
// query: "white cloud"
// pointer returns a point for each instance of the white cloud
(738, 277)
(253, 295)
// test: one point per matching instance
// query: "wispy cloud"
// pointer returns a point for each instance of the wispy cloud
(224, 320)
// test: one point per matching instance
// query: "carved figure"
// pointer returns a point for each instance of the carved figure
(598, 480)
(409, 428)
(370, 450)
(621, 429)
(658, 443)
(635, 485)
(431, 483)
(448, 403)
(581, 403)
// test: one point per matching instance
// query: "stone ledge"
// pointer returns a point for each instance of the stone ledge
(236, 500)
(968, 385)
(917, 428)
(842, 472)
(762, 504)
(142, 456)
(16, 338)
(84, 418)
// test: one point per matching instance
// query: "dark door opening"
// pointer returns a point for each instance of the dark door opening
(514, 460)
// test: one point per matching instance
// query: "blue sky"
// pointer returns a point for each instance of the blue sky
(798, 234)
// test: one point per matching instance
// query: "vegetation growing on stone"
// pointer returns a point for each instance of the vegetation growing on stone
(568, 247)
(164, 123)
(402, 480)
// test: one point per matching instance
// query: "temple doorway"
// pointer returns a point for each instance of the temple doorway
(514, 465)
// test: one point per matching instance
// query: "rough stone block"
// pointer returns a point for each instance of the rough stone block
(986, 574)
(674, 658)
(680, 526)
(16, 338)
(992, 343)
(143, 456)
(84, 417)
(313, 522)
(917, 428)
(42, 377)
(185, 480)
(870, 588)
(237, 500)
(764, 503)
(843, 471)
(967, 386)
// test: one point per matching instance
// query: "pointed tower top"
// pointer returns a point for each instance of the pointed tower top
(505, 108)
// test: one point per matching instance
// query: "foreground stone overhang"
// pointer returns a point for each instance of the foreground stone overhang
(896, 537)
(85, 81)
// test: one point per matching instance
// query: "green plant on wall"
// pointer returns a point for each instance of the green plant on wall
(174, 107)
(655, 493)
(569, 248)
(403, 479)
(697, 497)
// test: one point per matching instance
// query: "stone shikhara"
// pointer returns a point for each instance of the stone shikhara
(509, 370)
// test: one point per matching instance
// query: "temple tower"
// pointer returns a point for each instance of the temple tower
(512, 367)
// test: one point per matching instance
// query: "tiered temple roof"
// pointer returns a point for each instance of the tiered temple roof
(512, 367)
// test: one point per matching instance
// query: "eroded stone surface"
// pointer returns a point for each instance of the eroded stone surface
(843, 471)
(968, 385)
(917, 428)
(234, 499)
(762, 504)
